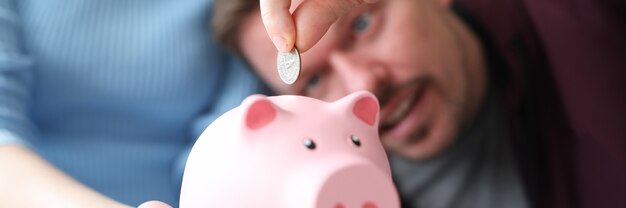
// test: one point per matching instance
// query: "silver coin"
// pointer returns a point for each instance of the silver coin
(289, 66)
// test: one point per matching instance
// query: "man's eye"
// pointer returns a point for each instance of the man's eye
(312, 83)
(361, 23)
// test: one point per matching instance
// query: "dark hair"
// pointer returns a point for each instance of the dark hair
(226, 19)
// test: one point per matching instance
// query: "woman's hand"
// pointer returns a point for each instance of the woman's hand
(309, 21)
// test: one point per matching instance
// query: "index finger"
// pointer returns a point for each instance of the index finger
(279, 23)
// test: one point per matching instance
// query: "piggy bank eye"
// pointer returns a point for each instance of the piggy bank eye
(309, 143)
(355, 140)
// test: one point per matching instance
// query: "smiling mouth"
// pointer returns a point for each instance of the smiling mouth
(400, 105)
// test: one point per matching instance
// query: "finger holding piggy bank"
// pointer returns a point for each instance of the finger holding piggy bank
(291, 152)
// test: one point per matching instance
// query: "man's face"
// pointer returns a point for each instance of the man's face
(423, 64)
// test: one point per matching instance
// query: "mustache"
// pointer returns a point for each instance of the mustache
(385, 94)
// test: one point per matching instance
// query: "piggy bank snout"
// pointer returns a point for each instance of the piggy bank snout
(346, 185)
(359, 186)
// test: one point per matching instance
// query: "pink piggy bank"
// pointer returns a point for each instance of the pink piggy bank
(291, 152)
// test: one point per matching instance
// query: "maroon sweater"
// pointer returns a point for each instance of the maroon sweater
(566, 91)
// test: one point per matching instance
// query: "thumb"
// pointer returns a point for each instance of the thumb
(279, 23)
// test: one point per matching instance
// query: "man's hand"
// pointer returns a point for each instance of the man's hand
(309, 22)
(154, 204)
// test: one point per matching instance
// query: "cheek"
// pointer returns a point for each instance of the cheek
(406, 46)
(263, 62)
(417, 39)
(431, 53)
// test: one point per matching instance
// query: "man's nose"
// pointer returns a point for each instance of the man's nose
(360, 72)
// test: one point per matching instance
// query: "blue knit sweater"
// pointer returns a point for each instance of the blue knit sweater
(114, 92)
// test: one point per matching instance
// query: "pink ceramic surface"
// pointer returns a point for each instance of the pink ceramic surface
(291, 152)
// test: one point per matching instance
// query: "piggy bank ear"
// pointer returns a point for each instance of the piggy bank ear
(364, 106)
(259, 111)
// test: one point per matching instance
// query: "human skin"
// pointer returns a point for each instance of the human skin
(409, 49)
(30, 181)
(425, 66)
(313, 16)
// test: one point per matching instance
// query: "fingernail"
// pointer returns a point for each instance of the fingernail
(280, 43)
